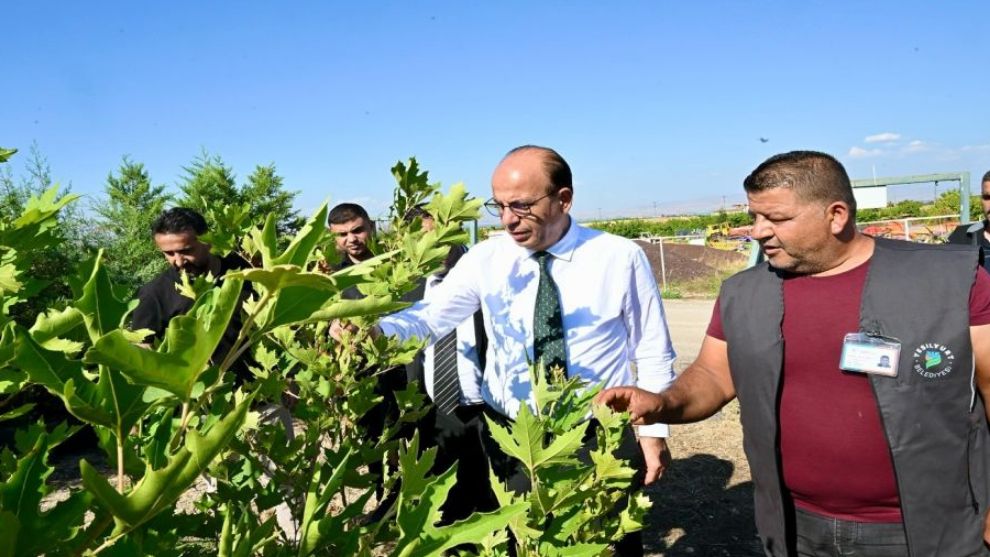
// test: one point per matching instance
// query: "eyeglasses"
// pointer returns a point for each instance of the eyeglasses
(518, 208)
(985, 196)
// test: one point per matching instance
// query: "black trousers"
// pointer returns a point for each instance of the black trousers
(512, 472)
(386, 412)
(458, 438)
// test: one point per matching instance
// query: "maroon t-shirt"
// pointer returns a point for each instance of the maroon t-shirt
(835, 457)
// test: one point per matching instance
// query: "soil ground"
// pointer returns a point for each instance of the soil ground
(684, 262)
(703, 505)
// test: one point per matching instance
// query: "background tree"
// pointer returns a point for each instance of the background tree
(265, 194)
(124, 225)
(50, 265)
(210, 186)
(208, 182)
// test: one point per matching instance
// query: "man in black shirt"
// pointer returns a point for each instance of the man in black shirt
(352, 230)
(976, 234)
(176, 233)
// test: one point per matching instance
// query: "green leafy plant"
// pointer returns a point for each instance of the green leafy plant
(580, 499)
(198, 462)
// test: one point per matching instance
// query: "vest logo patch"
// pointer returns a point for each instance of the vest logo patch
(933, 360)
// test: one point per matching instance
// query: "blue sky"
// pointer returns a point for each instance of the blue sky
(651, 102)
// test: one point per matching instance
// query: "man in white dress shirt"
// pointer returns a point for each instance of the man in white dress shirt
(612, 316)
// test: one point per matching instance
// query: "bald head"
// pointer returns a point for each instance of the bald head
(556, 169)
(532, 185)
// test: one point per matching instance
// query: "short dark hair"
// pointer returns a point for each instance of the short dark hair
(986, 177)
(812, 175)
(557, 168)
(416, 211)
(177, 220)
(346, 212)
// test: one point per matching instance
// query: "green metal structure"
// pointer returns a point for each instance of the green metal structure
(961, 177)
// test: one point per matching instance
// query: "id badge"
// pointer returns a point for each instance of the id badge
(865, 353)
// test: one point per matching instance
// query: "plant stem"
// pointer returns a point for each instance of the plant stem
(94, 530)
(120, 465)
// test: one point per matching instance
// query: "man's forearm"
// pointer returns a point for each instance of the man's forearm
(693, 397)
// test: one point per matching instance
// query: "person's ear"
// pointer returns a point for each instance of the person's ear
(839, 216)
(565, 197)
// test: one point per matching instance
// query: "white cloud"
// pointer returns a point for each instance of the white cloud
(885, 137)
(860, 153)
(916, 146)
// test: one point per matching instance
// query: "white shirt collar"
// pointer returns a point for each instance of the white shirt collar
(565, 246)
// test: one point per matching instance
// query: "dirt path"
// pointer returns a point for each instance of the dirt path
(704, 504)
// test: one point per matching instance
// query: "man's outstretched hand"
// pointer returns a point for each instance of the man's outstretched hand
(643, 406)
(339, 327)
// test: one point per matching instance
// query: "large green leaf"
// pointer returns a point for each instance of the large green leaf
(6, 153)
(184, 355)
(122, 399)
(36, 532)
(159, 489)
(305, 241)
(50, 328)
(9, 283)
(418, 514)
(298, 305)
(318, 496)
(240, 535)
(101, 310)
(283, 276)
(8, 534)
(11, 379)
(63, 377)
(31, 230)
(525, 442)
(455, 206)
(263, 240)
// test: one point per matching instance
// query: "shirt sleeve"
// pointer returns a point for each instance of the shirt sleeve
(979, 299)
(649, 339)
(454, 300)
(715, 325)
(148, 313)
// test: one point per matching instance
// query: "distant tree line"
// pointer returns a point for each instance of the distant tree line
(947, 203)
(670, 226)
(119, 219)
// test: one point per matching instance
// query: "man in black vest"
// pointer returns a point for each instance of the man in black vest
(977, 233)
(848, 456)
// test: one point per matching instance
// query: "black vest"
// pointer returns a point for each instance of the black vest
(933, 417)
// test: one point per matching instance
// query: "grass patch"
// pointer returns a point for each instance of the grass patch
(701, 287)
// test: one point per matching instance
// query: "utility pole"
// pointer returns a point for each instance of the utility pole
(656, 214)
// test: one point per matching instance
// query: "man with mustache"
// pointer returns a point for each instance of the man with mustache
(848, 456)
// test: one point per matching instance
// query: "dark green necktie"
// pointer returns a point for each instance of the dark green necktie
(548, 320)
